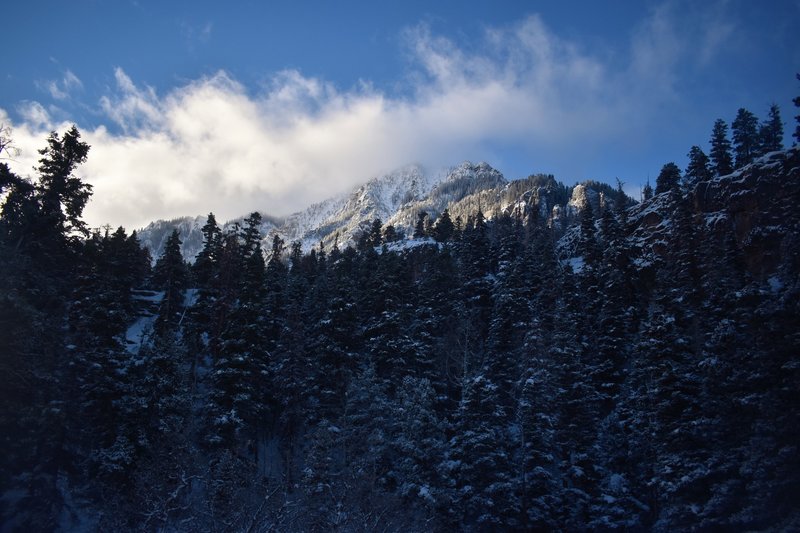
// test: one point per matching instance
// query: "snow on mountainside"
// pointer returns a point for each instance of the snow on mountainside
(154, 236)
(462, 181)
(345, 216)
(397, 198)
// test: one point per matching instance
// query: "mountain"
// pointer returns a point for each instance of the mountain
(344, 217)
(397, 199)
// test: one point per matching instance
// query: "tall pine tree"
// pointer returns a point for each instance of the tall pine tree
(721, 158)
(745, 137)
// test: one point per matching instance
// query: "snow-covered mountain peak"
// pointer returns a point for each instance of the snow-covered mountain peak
(469, 170)
(395, 198)
(383, 195)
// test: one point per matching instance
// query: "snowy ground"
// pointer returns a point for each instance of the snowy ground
(142, 328)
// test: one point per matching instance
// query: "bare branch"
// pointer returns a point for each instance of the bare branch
(6, 143)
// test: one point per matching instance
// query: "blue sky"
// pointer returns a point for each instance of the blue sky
(200, 106)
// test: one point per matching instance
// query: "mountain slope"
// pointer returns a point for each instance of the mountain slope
(397, 199)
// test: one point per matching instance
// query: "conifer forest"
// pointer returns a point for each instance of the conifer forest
(616, 364)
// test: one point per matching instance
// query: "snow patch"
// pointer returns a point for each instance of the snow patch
(575, 263)
(775, 284)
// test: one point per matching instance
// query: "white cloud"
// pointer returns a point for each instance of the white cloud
(35, 116)
(213, 146)
(61, 89)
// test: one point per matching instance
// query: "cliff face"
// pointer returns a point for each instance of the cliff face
(760, 203)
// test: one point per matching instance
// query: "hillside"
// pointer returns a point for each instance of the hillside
(552, 358)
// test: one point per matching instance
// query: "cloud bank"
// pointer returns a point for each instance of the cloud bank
(213, 145)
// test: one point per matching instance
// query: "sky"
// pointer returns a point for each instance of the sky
(197, 107)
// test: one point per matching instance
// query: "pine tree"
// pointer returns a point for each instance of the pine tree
(647, 191)
(170, 276)
(770, 133)
(138, 260)
(668, 179)
(443, 229)
(372, 237)
(475, 262)
(698, 169)
(537, 416)
(721, 158)
(376, 235)
(745, 137)
(419, 228)
(62, 195)
(41, 242)
(796, 101)
(387, 340)
(330, 337)
(240, 373)
(437, 320)
(275, 298)
(390, 234)
(207, 261)
(621, 205)
(291, 367)
(483, 490)
(419, 445)
(366, 425)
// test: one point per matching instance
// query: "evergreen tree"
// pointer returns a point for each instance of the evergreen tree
(647, 191)
(390, 234)
(275, 298)
(376, 235)
(796, 101)
(745, 137)
(483, 486)
(621, 205)
(170, 276)
(698, 169)
(770, 133)
(63, 196)
(207, 261)
(419, 443)
(291, 368)
(475, 262)
(443, 229)
(330, 343)
(372, 237)
(668, 179)
(40, 263)
(537, 416)
(419, 228)
(138, 260)
(240, 374)
(721, 158)
(436, 321)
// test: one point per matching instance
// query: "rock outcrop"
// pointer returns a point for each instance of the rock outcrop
(760, 203)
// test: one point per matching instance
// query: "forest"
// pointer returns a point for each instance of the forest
(637, 369)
